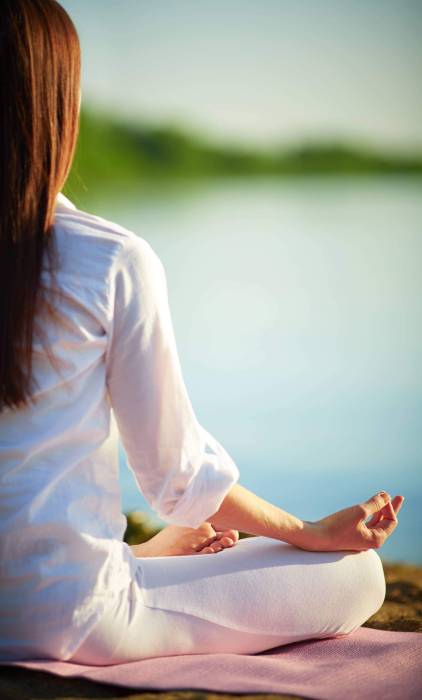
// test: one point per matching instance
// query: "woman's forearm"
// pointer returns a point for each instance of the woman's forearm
(346, 529)
(245, 511)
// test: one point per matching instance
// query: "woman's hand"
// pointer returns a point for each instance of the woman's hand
(350, 529)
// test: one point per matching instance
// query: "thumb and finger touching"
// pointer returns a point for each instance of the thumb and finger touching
(384, 514)
(387, 512)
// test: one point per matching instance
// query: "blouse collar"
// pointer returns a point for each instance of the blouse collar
(63, 204)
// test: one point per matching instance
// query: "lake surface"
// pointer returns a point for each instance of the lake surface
(297, 308)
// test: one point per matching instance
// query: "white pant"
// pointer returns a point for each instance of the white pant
(257, 595)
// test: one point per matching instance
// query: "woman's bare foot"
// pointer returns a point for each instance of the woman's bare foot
(176, 540)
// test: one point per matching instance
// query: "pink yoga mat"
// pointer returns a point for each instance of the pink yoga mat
(368, 664)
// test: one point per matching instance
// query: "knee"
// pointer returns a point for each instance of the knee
(372, 580)
(366, 590)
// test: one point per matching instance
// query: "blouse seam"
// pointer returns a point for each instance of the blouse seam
(111, 305)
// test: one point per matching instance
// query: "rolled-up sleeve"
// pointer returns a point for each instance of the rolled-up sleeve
(181, 469)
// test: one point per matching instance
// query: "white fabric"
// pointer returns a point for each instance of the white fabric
(63, 562)
(255, 596)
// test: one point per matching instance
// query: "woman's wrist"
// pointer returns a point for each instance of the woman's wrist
(311, 537)
(303, 534)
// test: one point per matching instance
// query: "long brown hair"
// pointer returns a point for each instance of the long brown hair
(39, 121)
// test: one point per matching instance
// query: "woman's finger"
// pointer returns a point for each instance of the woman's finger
(389, 511)
(397, 503)
(375, 519)
(384, 528)
(375, 504)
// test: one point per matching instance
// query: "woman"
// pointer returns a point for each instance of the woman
(87, 349)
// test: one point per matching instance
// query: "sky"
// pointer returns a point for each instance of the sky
(258, 71)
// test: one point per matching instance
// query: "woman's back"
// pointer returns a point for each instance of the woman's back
(61, 525)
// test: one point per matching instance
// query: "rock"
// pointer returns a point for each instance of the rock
(402, 609)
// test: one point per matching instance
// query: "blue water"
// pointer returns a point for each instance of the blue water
(297, 308)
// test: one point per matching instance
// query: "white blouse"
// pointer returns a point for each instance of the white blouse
(62, 558)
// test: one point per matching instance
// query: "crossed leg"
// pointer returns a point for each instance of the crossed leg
(255, 596)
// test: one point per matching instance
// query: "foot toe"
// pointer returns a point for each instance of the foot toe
(230, 534)
(233, 534)
(216, 547)
(206, 550)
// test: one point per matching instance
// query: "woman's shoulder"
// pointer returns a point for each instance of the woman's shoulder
(95, 241)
